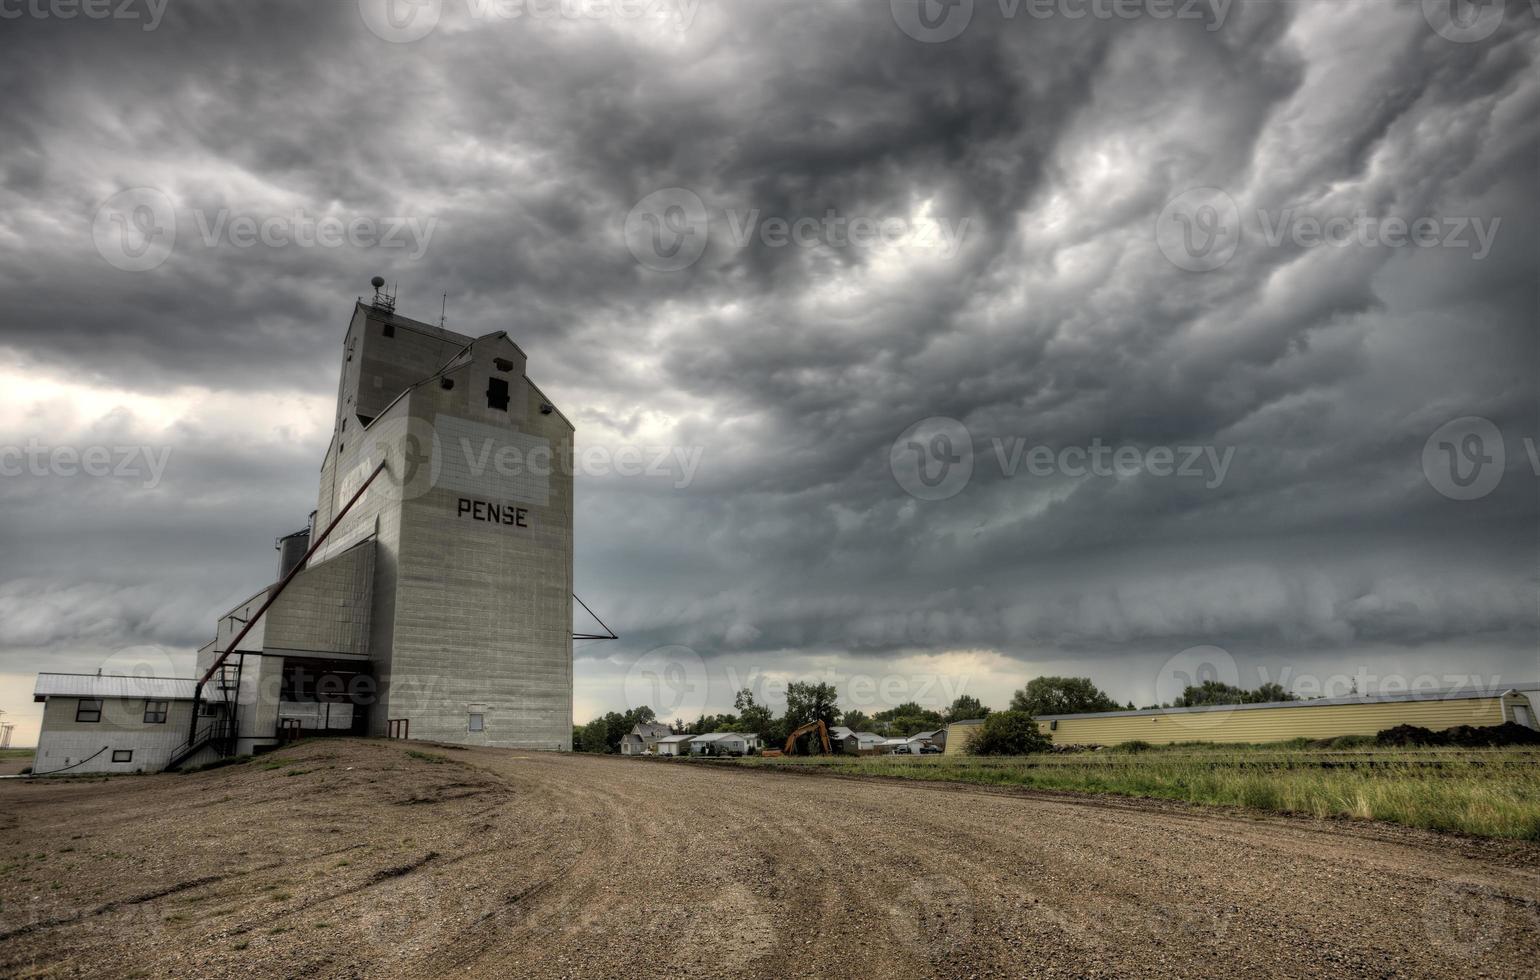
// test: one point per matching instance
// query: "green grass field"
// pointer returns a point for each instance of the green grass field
(1486, 792)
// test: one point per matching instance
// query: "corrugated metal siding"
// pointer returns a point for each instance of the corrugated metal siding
(326, 608)
(957, 735)
(1275, 724)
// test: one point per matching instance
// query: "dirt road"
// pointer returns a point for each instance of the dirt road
(351, 859)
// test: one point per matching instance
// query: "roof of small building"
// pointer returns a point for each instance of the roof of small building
(719, 736)
(1458, 694)
(676, 738)
(648, 729)
(112, 686)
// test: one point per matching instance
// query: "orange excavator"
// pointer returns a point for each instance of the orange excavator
(791, 740)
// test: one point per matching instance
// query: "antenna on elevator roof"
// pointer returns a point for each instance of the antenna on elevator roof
(443, 307)
(382, 300)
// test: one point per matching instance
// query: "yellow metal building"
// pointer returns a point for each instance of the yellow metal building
(957, 735)
(1275, 722)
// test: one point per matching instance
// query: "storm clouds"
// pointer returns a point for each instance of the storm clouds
(938, 296)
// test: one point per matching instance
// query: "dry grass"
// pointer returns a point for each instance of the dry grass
(1486, 792)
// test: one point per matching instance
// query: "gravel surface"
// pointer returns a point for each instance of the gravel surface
(354, 859)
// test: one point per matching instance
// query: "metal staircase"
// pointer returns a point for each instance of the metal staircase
(220, 730)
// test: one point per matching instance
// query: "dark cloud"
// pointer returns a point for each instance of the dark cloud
(1052, 144)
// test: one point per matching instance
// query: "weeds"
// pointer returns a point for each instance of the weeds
(1486, 792)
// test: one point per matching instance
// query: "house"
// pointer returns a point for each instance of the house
(673, 745)
(97, 723)
(726, 743)
(642, 737)
(857, 743)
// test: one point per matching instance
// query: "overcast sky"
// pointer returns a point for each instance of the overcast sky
(957, 344)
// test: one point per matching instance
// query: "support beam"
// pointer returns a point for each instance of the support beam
(273, 596)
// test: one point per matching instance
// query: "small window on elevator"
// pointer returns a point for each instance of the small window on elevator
(497, 394)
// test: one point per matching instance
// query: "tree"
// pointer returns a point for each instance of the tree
(905, 720)
(1008, 733)
(1271, 692)
(966, 708)
(1218, 692)
(856, 720)
(714, 723)
(604, 733)
(807, 702)
(753, 716)
(595, 736)
(1062, 696)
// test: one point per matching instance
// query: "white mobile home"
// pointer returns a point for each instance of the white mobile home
(725, 743)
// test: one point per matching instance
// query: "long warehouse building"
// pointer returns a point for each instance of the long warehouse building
(1276, 721)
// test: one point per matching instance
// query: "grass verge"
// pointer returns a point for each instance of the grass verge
(1484, 792)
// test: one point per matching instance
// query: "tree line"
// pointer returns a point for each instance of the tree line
(806, 701)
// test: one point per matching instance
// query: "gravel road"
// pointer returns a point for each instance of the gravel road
(353, 859)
